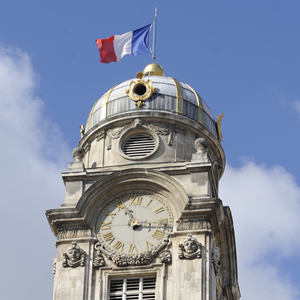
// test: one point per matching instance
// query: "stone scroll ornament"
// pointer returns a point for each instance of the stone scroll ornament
(215, 259)
(216, 262)
(74, 258)
(135, 260)
(190, 249)
(99, 259)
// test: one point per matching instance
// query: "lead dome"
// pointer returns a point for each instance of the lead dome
(171, 97)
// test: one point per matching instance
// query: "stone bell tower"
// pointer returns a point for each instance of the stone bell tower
(142, 218)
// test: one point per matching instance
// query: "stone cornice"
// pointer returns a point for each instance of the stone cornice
(167, 168)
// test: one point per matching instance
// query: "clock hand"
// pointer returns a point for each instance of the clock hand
(135, 222)
(128, 212)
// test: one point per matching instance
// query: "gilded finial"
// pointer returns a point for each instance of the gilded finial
(81, 130)
(219, 119)
(154, 70)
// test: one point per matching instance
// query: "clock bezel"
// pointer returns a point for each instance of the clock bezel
(110, 240)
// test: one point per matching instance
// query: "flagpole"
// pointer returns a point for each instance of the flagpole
(154, 36)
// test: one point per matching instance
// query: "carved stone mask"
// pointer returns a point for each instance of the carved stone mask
(190, 246)
(138, 122)
(74, 253)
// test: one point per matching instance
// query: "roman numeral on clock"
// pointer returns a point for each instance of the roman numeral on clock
(120, 205)
(159, 210)
(158, 234)
(110, 214)
(118, 245)
(148, 245)
(132, 247)
(105, 226)
(108, 237)
(150, 201)
(136, 200)
(163, 221)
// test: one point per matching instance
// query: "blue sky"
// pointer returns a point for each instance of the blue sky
(242, 57)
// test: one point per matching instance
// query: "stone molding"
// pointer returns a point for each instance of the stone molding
(156, 269)
(115, 183)
(192, 224)
(157, 117)
(73, 233)
(87, 148)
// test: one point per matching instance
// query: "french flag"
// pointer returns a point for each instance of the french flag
(115, 47)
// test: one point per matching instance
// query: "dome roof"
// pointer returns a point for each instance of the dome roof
(152, 93)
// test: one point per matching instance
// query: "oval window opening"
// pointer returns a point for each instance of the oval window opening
(140, 89)
(139, 145)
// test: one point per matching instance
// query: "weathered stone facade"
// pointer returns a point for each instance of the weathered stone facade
(193, 256)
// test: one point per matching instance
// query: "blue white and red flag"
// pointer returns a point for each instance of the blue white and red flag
(115, 47)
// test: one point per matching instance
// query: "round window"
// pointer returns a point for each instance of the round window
(139, 145)
(138, 142)
(140, 89)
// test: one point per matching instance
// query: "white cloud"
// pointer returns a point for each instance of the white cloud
(265, 204)
(296, 106)
(31, 156)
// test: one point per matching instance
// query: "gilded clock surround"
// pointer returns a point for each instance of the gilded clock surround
(140, 90)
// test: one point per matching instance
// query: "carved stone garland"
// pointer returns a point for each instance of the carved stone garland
(75, 258)
(190, 249)
(134, 260)
(138, 122)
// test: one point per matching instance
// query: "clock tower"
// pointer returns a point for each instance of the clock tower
(142, 217)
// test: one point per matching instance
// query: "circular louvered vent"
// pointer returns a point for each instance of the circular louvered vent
(139, 145)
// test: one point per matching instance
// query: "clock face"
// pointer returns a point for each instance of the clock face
(134, 223)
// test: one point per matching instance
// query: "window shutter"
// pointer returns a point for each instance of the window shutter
(138, 145)
(142, 288)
